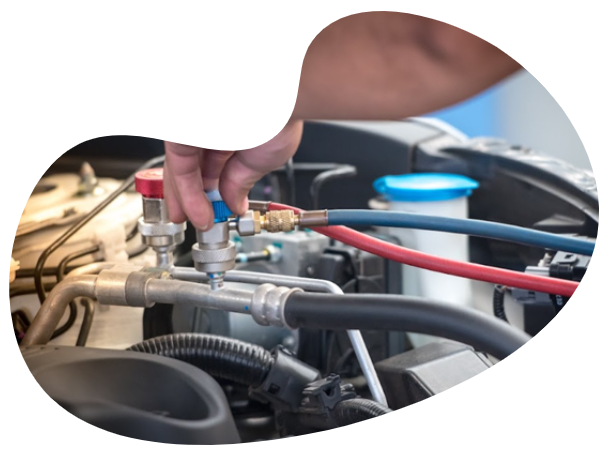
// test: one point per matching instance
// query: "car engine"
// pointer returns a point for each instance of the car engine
(386, 263)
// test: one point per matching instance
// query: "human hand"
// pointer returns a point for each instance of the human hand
(190, 171)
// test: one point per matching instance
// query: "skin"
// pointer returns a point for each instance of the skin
(370, 66)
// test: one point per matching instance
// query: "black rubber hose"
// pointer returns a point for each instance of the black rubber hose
(73, 314)
(355, 410)
(87, 321)
(70, 258)
(403, 313)
(498, 302)
(318, 182)
(221, 357)
(18, 288)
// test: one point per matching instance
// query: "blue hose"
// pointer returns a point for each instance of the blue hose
(472, 227)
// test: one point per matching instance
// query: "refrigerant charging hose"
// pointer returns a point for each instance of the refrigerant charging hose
(441, 265)
(486, 229)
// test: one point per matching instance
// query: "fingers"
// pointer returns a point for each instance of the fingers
(246, 167)
(189, 171)
(175, 213)
(184, 187)
(236, 182)
(213, 162)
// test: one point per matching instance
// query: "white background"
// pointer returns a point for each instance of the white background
(225, 76)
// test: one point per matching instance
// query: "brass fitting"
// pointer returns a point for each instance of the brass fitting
(279, 221)
(252, 222)
(286, 220)
(249, 224)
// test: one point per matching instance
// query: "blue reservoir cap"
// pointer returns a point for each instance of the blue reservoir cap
(424, 187)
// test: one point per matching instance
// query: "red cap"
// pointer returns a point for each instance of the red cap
(150, 183)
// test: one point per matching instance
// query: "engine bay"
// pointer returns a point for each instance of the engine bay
(325, 305)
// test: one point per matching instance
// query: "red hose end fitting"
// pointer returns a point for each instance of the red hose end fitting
(150, 183)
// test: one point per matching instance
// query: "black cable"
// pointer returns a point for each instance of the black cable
(18, 288)
(73, 308)
(342, 171)
(81, 223)
(221, 357)
(403, 313)
(24, 273)
(48, 271)
(87, 321)
(73, 313)
(498, 302)
(71, 257)
(21, 322)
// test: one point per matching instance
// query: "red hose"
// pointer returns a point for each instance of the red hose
(442, 265)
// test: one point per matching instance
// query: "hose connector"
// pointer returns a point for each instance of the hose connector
(267, 306)
(252, 222)
(315, 218)
(286, 220)
(279, 221)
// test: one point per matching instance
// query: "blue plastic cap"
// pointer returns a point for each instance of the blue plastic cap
(424, 187)
(221, 211)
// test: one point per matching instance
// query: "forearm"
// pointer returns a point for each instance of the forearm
(394, 65)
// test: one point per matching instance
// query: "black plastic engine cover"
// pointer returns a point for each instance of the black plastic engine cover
(420, 373)
(135, 394)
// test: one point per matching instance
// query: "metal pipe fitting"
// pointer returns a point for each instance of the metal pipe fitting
(316, 218)
(249, 224)
(268, 301)
(215, 280)
(125, 285)
(76, 284)
(172, 291)
(110, 288)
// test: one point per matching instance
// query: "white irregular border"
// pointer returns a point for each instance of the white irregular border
(224, 75)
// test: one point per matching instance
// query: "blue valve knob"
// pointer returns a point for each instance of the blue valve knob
(221, 211)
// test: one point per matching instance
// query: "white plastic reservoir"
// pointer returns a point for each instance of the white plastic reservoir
(435, 194)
